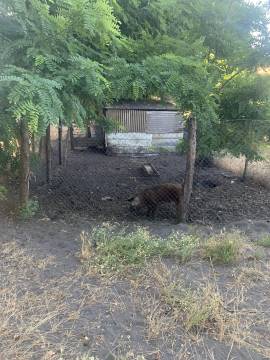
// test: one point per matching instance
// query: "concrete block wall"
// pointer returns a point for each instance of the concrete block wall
(132, 143)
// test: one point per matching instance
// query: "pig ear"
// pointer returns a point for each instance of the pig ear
(131, 198)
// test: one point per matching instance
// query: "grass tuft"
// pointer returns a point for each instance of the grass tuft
(197, 310)
(264, 241)
(223, 248)
(116, 250)
(3, 193)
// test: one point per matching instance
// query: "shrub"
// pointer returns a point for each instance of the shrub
(29, 210)
(223, 249)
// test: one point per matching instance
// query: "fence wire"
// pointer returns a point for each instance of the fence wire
(93, 185)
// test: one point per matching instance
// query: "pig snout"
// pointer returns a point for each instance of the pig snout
(136, 202)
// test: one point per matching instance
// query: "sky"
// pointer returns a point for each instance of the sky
(258, 1)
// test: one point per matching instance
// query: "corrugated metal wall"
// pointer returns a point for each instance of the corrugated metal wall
(143, 121)
(128, 120)
(160, 122)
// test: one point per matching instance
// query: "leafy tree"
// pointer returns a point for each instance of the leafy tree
(245, 116)
(63, 59)
(51, 62)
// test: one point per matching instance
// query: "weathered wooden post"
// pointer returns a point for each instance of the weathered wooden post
(33, 144)
(71, 137)
(190, 166)
(24, 163)
(60, 132)
(244, 176)
(104, 111)
(48, 154)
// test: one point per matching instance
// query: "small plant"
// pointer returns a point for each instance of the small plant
(264, 241)
(29, 210)
(118, 249)
(223, 249)
(205, 309)
(3, 193)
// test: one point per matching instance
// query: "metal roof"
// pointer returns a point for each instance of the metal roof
(143, 105)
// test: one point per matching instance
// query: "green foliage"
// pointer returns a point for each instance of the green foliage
(245, 115)
(117, 249)
(223, 249)
(181, 146)
(51, 64)
(66, 59)
(30, 210)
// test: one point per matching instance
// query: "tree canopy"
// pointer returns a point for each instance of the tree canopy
(64, 59)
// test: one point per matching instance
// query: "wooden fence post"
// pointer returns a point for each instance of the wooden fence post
(48, 154)
(33, 144)
(60, 131)
(190, 166)
(67, 142)
(71, 138)
(24, 163)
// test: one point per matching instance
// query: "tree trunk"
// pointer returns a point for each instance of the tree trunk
(244, 176)
(48, 154)
(24, 163)
(33, 143)
(71, 138)
(67, 149)
(190, 166)
(60, 142)
(41, 147)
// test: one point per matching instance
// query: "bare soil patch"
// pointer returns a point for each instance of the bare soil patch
(97, 186)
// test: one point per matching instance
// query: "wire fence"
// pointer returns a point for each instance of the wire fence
(89, 183)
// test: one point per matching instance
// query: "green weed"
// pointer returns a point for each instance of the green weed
(264, 241)
(29, 210)
(223, 248)
(3, 193)
(118, 249)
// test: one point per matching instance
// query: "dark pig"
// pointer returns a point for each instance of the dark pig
(152, 197)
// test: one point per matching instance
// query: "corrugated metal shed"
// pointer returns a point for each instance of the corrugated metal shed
(160, 122)
(142, 127)
(152, 118)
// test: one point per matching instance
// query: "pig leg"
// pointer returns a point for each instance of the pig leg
(151, 209)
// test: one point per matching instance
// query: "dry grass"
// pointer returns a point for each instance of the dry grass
(37, 315)
(171, 305)
(258, 171)
(198, 310)
(250, 275)
(40, 315)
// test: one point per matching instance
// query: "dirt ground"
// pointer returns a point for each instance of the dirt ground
(51, 309)
(97, 186)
